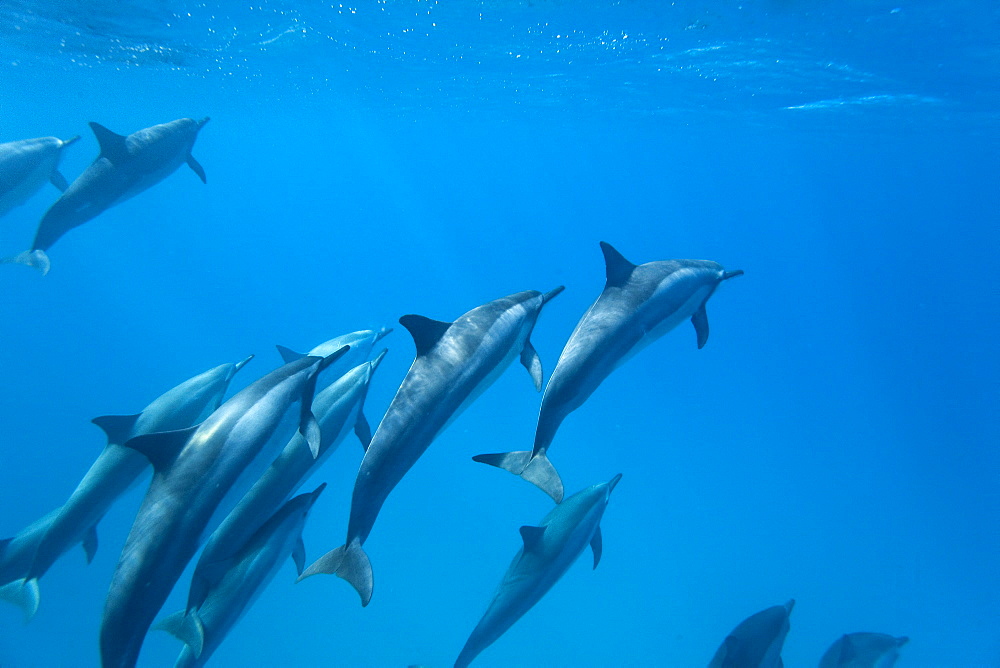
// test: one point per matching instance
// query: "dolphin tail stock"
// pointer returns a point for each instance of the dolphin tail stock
(534, 467)
(186, 627)
(32, 258)
(24, 594)
(348, 562)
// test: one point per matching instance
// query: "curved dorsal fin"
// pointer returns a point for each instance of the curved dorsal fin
(112, 144)
(618, 268)
(425, 332)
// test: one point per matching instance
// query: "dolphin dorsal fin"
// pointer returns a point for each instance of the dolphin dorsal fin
(532, 537)
(113, 146)
(425, 332)
(289, 355)
(618, 268)
(117, 427)
(161, 448)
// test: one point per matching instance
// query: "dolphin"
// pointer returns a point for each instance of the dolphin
(256, 563)
(338, 408)
(26, 165)
(863, 650)
(360, 342)
(455, 363)
(756, 642)
(30, 554)
(196, 472)
(639, 304)
(125, 167)
(548, 551)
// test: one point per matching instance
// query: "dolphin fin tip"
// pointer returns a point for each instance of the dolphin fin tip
(32, 258)
(535, 468)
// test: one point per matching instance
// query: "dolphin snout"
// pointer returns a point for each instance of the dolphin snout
(242, 363)
(726, 275)
(613, 482)
(202, 122)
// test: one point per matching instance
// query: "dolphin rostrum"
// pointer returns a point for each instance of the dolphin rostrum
(23, 560)
(640, 303)
(756, 642)
(360, 342)
(863, 650)
(549, 550)
(196, 472)
(26, 165)
(256, 563)
(339, 409)
(455, 363)
(125, 167)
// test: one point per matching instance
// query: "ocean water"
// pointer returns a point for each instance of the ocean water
(835, 442)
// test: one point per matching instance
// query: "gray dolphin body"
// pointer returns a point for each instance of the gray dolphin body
(339, 409)
(756, 642)
(549, 550)
(639, 305)
(30, 554)
(455, 363)
(863, 650)
(26, 165)
(196, 472)
(125, 167)
(257, 562)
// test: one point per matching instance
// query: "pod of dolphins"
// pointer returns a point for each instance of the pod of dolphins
(225, 473)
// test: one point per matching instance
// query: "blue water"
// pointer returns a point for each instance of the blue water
(835, 442)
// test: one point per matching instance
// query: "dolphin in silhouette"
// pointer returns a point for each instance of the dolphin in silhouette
(640, 303)
(339, 409)
(197, 477)
(756, 642)
(549, 550)
(256, 563)
(125, 167)
(863, 650)
(29, 555)
(456, 362)
(26, 165)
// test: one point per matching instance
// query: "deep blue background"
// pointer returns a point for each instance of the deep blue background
(835, 442)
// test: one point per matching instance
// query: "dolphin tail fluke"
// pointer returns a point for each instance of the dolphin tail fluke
(350, 563)
(24, 594)
(33, 258)
(186, 627)
(536, 469)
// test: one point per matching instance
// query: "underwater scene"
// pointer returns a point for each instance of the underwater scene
(500, 333)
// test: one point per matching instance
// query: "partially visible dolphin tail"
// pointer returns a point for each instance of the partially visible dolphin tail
(350, 563)
(535, 468)
(186, 627)
(33, 258)
(24, 594)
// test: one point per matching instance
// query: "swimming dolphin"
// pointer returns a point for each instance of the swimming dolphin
(756, 642)
(639, 304)
(863, 650)
(455, 363)
(360, 342)
(26, 165)
(548, 552)
(30, 554)
(256, 563)
(339, 409)
(125, 167)
(196, 472)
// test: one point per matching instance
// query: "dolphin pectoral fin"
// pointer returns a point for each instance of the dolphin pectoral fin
(597, 545)
(113, 145)
(288, 355)
(363, 430)
(117, 427)
(531, 362)
(161, 448)
(350, 563)
(24, 594)
(533, 467)
(33, 258)
(700, 322)
(196, 168)
(58, 180)
(90, 543)
(532, 537)
(617, 267)
(299, 556)
(185, 627)
(425, 332)
(311, 432)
